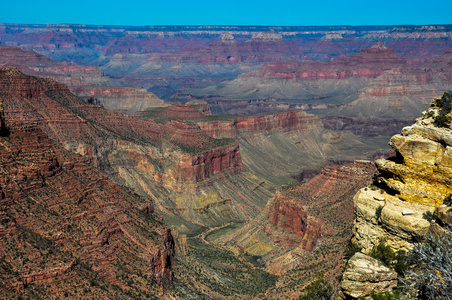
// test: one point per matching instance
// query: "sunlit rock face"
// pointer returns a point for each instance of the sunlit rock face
(411, 186)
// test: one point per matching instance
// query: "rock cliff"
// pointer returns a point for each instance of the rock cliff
(68, 231)
(284, 122)
(87, 82)
(411, 185)
(304, 228)
(117, 143)
(364, 275)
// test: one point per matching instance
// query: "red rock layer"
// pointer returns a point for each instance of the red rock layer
(91, 131)
(285, 121)
(69, 231)
(289, 214)
(368, 63)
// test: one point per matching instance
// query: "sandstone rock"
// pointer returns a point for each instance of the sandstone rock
(444, 213)
(412, 186)
(364, 275)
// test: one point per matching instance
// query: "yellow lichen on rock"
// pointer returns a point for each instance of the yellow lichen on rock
(410, 187)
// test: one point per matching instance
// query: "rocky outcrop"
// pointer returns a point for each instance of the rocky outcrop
(116, 142)
(365, 275)
(163, 260)
(411, 186)
(288, 213)
(284, 122)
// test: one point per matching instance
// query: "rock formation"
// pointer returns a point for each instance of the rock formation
(87, 82)
(364, 275)
(305, 228)
(68, 231)
(190, 156)
(284, 122)
(411, 185)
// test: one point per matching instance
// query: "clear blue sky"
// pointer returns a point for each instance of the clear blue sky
(231, 12)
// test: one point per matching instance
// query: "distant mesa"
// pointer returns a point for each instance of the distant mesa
(228, 37)
(267, 36)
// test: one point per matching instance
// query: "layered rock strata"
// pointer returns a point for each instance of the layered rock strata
(411, 185)
(87, 82)
(117, 143)
(364, 275)
(285, 122)
(68, 231)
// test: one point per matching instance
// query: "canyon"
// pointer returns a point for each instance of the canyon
(267, 189)
(68, 231)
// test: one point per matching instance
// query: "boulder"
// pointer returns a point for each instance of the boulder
(364, 275)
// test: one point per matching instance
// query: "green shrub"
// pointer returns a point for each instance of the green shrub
(351, 249)
(386, 296)
(442, 121)
(320, 289)
(383, 253)
(445, 105)
(429, 216)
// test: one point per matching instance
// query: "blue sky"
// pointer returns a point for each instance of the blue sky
(232, 12)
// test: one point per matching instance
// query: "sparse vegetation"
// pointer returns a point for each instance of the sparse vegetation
(351, 249)
(320, 289)
(445, 106)
(385, 254)
(429, 272)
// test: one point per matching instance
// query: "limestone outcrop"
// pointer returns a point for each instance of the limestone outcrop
(410, 187)
(364, 275)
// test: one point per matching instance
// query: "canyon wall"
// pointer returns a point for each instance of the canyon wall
(285, 122)
(411, 185)
(87, 82)
(189, 155)
(64, 225)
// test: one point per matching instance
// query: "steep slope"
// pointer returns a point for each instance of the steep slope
(139, 153)
(67, 231)
(303, 230)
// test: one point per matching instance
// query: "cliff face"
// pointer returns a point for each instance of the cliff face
(412, 184)
(189, 155)
(284, 122)
(304, 228)
(64, 225)
(287, 213)
(87, 82)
